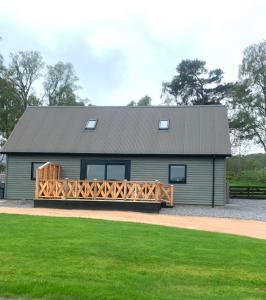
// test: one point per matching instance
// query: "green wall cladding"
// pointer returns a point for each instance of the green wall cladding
(197, 190)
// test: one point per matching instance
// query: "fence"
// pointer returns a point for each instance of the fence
(248, 192)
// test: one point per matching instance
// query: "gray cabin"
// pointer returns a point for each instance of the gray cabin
(185, 146)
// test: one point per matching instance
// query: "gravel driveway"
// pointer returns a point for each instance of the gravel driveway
(16, 203)
(237, 209)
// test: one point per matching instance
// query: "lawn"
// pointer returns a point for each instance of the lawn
(249, 178)
(246, 182)
(68, 258)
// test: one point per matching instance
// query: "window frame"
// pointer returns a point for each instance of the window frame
(168, 123)
(91, 128)
(32, 168)
(85, 162)
(169, 174)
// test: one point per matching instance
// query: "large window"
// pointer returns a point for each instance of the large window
(34, 167)
(177, 174)
(105, 170)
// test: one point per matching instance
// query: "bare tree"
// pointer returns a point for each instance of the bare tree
(249, 97)
(60, 85)
(1, 62)
(23, 71)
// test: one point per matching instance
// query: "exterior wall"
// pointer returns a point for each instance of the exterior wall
(197, 190)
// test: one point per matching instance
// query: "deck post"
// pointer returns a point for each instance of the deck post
(65, 188)
(37, 184)
(157, 190)
(172, 195)
(125, 189)
(94, 188)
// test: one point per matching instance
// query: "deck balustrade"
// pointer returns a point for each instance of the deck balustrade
(50, 186)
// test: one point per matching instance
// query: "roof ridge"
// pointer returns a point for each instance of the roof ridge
(130, 107)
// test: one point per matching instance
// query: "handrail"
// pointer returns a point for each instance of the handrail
(103, 189)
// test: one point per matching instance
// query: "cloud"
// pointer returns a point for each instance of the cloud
(123, 50)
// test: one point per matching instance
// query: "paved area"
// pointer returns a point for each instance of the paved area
(16, 203)
(237, 209)
(248, 228)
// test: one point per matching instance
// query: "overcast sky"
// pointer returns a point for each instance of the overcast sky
(123, 50)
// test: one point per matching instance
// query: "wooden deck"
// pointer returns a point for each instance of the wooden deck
(50, 186)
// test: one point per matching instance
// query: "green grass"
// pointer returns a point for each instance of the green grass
(245, 182)
(249, 178)
(67, 258)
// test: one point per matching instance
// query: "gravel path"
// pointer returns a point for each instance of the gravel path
(237, 209)
(16, 203)
(248, 228)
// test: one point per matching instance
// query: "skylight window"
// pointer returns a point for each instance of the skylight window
(164, 124)
(91, 124)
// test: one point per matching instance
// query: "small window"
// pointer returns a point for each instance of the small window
(91, 124)
(164, 124)
(177, 174)
(34, 167)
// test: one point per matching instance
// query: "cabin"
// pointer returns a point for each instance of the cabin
(159, 154)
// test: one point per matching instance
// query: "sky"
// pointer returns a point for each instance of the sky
(124, 50)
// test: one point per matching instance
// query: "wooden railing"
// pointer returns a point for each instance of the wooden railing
(50, 186)
(105, 190)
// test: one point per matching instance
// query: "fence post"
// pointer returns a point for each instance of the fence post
(157, 190)
(37, 184)
(125, 189)
(65, 188)
(94, 188)
(172, 195)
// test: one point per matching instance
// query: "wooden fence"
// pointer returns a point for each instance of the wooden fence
(248, 192)
(49, 186)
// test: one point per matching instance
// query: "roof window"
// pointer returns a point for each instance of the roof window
(164, 124)
(91, 124)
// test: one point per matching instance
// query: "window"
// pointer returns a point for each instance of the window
(177, 174)
(164, 124)
(91, 124)
(115, 172)
(34, 167)
(105, 169)
(95, 172)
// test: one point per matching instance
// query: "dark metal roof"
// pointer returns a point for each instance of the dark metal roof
(194, 130)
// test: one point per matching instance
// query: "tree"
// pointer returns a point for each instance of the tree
(144, 101)
(2, 68)
(195, 85)
(11, 108)
(23, 71)
(60, 85)
(249, 97)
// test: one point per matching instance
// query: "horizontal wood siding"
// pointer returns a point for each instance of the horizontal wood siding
(197, 190)
(220, 183)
